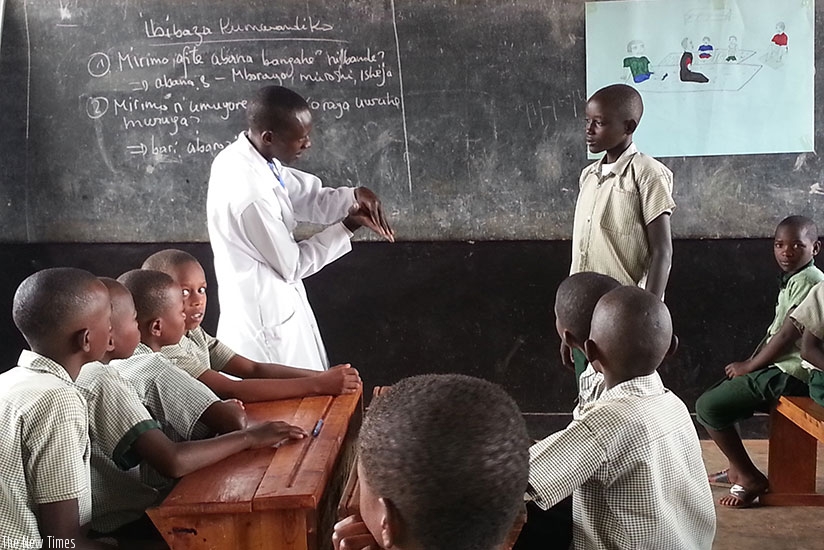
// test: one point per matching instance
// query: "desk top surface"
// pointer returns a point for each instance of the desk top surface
(292, 476)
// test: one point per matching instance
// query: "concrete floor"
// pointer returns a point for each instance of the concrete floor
(765, 527)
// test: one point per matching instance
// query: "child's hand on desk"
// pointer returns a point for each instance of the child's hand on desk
(274, 433)
(351, 534)
(338, 380)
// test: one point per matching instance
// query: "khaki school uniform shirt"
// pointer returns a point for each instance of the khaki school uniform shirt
(174, 399)
(609, 234)
(117, 418)
(198, 352)
(44, 455)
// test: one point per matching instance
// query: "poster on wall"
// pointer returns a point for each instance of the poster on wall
(718, 77)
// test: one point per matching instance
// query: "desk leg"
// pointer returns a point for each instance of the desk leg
(792, 464)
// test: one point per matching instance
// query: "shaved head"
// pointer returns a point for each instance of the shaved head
(53, 301)
(632, 330)
(621, 101)
(575, 301)
(168, 260)
(804, 225)
(149, 290)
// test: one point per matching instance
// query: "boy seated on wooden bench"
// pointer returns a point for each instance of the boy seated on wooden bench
(443, 465)
(773, 370)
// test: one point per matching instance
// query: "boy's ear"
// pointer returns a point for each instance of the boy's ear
(591, 351)
(391, 523)
(156, 327)
(816, 248)
(630, 126)
(673, 347)
(570, 340)
(81, 340)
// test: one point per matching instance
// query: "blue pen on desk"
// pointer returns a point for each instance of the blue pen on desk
(318, 426)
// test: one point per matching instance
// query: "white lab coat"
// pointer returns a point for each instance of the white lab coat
(264, 312)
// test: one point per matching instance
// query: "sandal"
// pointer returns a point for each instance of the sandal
(720, 478)
(744, 496)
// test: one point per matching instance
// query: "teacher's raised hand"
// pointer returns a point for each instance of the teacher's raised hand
(368, 212)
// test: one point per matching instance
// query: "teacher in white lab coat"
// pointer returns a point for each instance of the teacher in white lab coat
(254, 202)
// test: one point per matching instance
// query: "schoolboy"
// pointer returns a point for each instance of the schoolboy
(631, 459)
(443, 465)
(575, 301)
(254, 202)
(773, 370)
(809, 318)
(622, 216)
(45, 497)
(123, 433)
(205, 356)
(186, 406)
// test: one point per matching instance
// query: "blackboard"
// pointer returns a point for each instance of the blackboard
(464, 116)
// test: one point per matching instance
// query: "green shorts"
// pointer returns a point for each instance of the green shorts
(731, 400)
(817, 386)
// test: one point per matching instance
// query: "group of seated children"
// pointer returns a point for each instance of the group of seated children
(119, 395)
(121, 381)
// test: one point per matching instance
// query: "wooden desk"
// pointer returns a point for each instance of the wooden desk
(269, 499)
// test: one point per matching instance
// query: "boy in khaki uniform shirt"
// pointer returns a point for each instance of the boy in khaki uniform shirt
(45, 496)
(622, 215)
(204, 357)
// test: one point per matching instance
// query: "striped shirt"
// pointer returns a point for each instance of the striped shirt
(632, 462)
(44, 457)
(198, 352)
(116, 419)
(609, 234)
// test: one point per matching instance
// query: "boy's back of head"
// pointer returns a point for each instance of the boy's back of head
(168, 260)
(149, 291)
(621, 100)
(450, 452)
(632, 330)
(273, 108)
(575, 301)
(47, 303)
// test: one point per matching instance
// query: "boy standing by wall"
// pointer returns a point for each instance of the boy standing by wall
(622, 216)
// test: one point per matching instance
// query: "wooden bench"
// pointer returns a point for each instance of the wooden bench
(269, 499)
(350, 499)
(796, 427)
